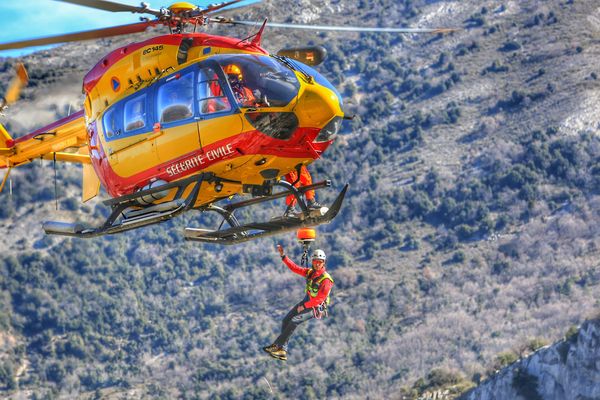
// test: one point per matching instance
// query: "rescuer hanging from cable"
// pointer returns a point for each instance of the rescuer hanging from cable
(314, 304)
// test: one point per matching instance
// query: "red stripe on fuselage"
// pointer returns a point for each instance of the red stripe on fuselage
(248, 143)
(200, 39)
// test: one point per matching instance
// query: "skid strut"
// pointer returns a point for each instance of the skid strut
(238, 233)
(128, 214)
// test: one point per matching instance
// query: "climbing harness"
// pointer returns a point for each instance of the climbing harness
(320, 311)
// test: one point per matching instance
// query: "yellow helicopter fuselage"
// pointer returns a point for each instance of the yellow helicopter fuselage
(164, 109)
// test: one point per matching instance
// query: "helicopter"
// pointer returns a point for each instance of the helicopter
(187, 120)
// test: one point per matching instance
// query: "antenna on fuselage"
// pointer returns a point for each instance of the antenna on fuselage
(258, 35)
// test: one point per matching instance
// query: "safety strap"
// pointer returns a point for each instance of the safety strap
(320, 311)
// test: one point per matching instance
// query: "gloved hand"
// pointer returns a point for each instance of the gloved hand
(280, 249)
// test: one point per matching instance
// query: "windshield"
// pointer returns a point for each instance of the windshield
(259, 81)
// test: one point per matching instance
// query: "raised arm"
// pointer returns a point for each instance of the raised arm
(290, 264)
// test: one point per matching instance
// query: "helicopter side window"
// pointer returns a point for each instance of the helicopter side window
(111, 123)
(135, 114)
(176, 99)
(211, 98)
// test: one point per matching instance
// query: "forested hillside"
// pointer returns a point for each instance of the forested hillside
(469, 236)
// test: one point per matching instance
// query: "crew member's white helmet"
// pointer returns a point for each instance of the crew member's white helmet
(319, 255)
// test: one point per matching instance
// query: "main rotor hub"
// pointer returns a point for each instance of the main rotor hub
(181, 7)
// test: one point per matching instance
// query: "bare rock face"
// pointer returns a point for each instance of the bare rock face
(567, 370)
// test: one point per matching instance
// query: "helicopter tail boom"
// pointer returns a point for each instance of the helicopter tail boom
(63, 141)
(5, 139)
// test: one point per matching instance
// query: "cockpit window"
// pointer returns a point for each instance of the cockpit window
(259, 81)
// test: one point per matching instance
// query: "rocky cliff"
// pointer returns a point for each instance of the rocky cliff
(569, 369)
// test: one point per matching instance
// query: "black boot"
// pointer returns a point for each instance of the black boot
(270, 348)
(279, 353)
(290, 211)
(313, 204)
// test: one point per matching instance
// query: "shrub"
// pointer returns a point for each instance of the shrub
(502, 221)
(464, 231)
(410, 243)
(496, 67)
(510, 46)
(475, 21)
(459, 257)
(572, 333)
(55, 372)
(419, 204)
(536, 343)
(7, 377)
(440, 377)
(505, 359)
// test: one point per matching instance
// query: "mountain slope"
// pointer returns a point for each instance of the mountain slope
(471, 225)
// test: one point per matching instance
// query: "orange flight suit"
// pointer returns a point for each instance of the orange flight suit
(305, 179)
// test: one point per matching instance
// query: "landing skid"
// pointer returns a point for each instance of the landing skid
(126, 212)
(238, 233)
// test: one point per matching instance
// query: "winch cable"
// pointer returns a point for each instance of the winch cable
(306, 248)
(55, 186)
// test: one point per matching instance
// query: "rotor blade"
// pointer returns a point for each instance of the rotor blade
(334, 28)
(18, 82)
(112, 6)
(216, 7)
(77, 36)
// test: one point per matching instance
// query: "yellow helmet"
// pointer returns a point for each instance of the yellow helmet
(233, 69)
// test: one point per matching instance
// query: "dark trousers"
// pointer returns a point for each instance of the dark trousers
(291, 321)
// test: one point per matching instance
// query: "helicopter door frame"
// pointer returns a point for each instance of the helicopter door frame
(225, 87)
(178, 138)
(123, 146)
(217, 125)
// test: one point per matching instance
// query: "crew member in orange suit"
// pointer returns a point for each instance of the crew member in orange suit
(243, 94)
(305, 179)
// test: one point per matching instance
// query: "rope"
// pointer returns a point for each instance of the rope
(266, 380)
(55, 187)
